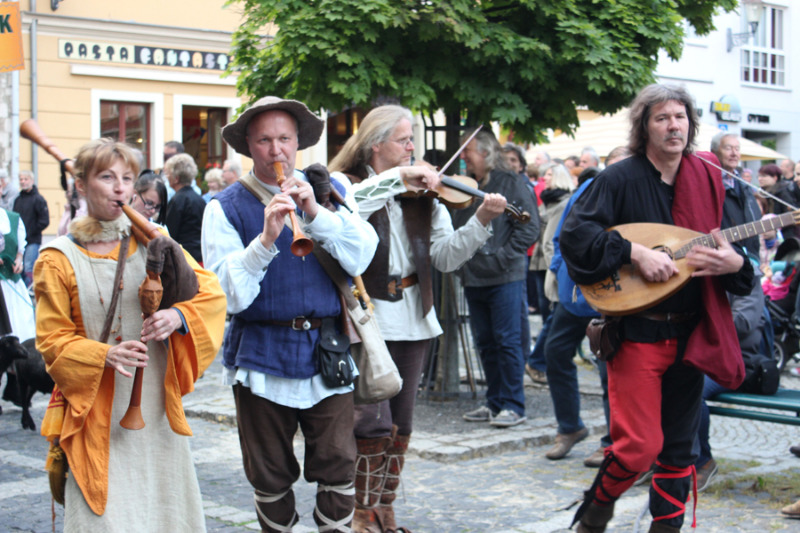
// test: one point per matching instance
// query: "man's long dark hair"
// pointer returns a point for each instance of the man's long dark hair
(640, 115)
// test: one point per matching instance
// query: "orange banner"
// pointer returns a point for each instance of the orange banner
(10, 37)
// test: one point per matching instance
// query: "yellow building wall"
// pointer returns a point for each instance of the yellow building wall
(65, 98)
(206, 14)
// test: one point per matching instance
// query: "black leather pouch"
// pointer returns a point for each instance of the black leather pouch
(333, 355)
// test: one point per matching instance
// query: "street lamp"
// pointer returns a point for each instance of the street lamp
(752, 13)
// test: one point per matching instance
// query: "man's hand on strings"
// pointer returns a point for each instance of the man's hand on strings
(714, 261)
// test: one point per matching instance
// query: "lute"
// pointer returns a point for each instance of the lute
(627, 292)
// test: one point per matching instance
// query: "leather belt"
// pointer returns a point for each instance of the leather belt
(298, 323)
(675, 318)
(396, 285)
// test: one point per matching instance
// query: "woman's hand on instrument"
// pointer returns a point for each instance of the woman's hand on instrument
(160, 325)
(492, 206)
(655, 266)
(303, 195)
(128, 353)
(714, 261)
(274, 215)
(418, 178)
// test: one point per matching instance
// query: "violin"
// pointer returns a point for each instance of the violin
(459, 192)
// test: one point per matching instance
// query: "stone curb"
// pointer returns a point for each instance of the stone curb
(492, 441)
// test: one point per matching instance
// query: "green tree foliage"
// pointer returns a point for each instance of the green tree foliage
(524, 63)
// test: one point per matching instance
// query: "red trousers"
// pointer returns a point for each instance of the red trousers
(654, 414)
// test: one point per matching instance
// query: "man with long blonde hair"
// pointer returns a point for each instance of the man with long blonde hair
(415, 234)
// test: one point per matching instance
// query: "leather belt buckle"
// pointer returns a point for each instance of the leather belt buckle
(301, 323)
(394, 290)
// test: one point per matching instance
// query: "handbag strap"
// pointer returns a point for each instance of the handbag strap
(117, 288)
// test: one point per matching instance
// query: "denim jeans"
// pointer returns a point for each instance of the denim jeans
(565, 335)
(28, 259)
(544, 303)
(536, 359)
(525, 324)
(496, 328)
(710, 388)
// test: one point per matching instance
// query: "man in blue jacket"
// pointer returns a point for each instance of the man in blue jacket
(278, 302)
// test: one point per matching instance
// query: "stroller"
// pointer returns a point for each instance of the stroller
(782, 312)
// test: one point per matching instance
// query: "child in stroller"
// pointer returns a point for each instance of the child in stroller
(782, 278)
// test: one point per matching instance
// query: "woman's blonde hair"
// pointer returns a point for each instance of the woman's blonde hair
(562, 179)
(101, 154)
(214, 175)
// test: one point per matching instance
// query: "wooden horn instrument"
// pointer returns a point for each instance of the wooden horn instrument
(30, 130)
(301, 245)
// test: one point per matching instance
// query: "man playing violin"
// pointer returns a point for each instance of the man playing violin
(278, 302)
(494, 285)
(655, 378)
(415, 233)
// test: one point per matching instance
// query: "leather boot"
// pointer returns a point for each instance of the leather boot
(370, 474)
(395, 459)
(660, 527)
(595, 519)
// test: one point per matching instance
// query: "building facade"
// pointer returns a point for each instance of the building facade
(142, 72)
(742, 81)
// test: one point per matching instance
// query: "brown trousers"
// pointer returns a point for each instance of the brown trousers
(266, 432)
(376, 419)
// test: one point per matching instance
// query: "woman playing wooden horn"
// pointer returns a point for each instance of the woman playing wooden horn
(120, 480)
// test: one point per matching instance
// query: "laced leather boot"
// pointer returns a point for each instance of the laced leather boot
(370, 474)
(395, 459)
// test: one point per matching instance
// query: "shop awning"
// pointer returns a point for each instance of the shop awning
(606, 132)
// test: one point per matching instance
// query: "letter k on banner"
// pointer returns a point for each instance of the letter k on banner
(10, 37)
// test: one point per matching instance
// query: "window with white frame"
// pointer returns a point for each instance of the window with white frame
(764, 55)
(127, 122)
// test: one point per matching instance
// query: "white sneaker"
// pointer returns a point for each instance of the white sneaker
(507, 418)
(481, 414)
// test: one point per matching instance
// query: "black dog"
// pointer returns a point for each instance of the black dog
(10, 351)
(26, 376)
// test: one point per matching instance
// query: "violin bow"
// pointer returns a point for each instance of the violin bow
(460, 149)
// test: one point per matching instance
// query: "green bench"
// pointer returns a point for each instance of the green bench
(742, 405)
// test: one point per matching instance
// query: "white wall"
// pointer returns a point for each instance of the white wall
(709, 71)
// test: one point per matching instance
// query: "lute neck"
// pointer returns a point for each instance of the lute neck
(741, 232)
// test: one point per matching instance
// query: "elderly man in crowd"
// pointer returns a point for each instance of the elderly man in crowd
(655, 376)
(740, 204)
(32, 209)
(787, 169)
(231, 170)
(278, 302)
(589, 158)
(494, 284)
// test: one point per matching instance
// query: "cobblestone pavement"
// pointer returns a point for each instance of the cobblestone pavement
(459, 477)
